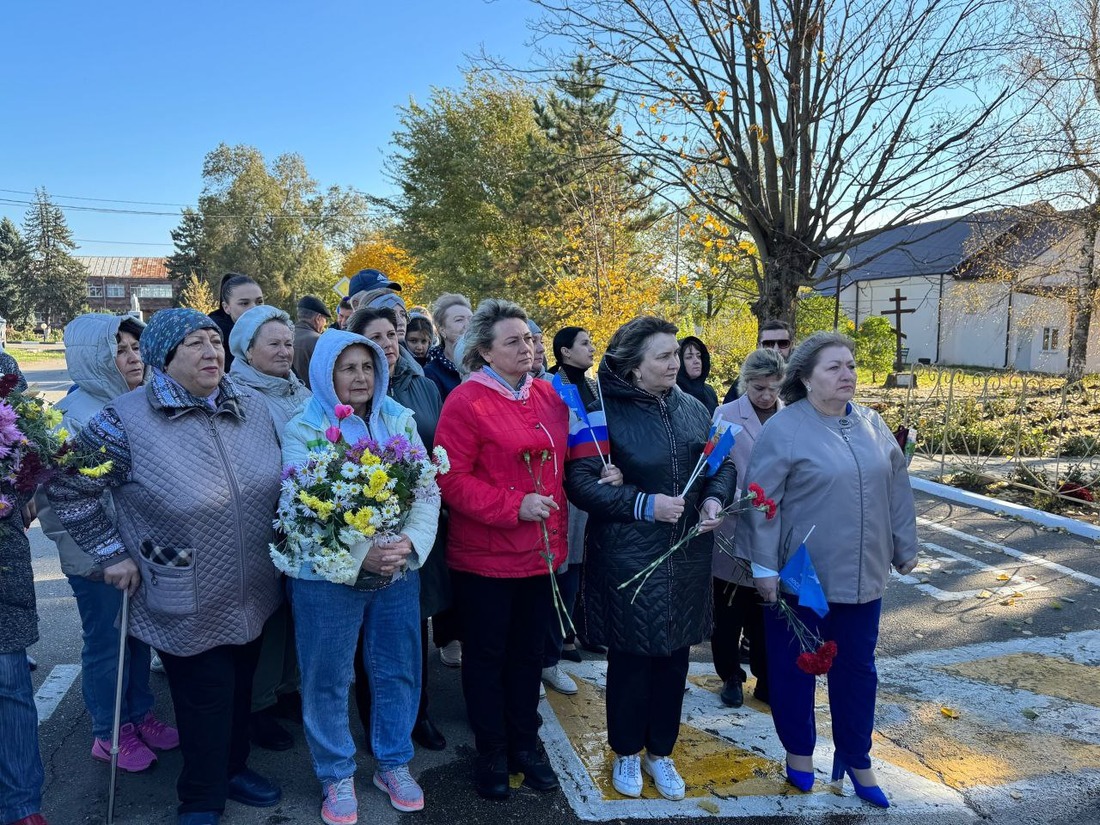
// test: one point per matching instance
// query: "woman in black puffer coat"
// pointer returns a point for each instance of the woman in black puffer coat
(657, 433)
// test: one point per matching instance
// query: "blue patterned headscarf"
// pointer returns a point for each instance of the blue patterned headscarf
(166, 329)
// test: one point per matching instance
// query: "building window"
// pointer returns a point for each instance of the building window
(95, 291)
(154, 291)
(116, 290)
(1050, 339)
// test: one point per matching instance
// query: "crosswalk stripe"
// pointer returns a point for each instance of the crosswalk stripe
(53, 690)
(1010, 551)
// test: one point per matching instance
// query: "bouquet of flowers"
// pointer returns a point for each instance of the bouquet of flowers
(32, 446)
(347, 497)
(754, 499)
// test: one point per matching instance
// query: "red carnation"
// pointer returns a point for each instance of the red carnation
(759, 499)
(770, 505)
(818, 662)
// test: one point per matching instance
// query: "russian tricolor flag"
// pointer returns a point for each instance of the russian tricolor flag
(587, 430)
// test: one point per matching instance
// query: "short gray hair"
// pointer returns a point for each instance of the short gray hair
(480, 335)
(803, 360)
(761, 363)
(626, 349)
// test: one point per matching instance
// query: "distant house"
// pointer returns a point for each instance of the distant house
(984, 290)
(114, 282)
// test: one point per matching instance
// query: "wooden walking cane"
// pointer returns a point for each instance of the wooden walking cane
(123, 630)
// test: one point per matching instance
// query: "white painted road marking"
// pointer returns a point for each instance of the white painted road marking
(1015, 584)
(1009, 551)
(53, 690)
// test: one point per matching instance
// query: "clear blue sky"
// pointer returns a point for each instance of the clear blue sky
(122, 100)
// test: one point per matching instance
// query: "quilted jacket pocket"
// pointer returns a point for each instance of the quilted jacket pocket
(170, 590)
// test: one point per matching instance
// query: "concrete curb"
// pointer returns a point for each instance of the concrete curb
(1005, 508)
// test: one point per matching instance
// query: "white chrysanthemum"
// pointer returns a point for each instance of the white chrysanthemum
(349, 471)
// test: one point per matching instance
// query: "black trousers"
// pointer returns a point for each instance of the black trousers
(447, 624)
(737, 610)
(645, 699)
(504, 627)
(212, 696)
(362, 682)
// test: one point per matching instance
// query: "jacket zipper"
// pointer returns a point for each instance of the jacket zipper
(859, 475)
(237, 505)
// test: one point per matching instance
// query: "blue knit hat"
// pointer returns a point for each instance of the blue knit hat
(246, 327)
(166, 329)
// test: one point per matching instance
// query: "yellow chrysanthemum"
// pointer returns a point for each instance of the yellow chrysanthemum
(62, 435)
(98, 471)
(322, 508)
(53, 417)
(369, 459)
(360, 520)
(376, 483)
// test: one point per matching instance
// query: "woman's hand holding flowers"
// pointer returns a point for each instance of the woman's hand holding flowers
(667, 508)
(386, 558)
(535, 507)
(768, 588)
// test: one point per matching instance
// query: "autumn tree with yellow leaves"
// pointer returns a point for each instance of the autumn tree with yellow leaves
(381, 252)
(803, 123)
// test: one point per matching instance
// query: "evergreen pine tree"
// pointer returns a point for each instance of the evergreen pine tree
(187, 260)
(13, 254)
(54, 285)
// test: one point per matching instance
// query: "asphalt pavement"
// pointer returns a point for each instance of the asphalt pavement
(989, 709)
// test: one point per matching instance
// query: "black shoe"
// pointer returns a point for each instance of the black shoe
(249, 788)
(537, 773)
(571, 654)
(288, 707)
(584, 644)
(266, 733)
(427, 735)
(491, 775)
(732, 695)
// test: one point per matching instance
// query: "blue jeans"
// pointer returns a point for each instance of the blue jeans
(99, 604)
(328, 619)
(853, 679)
(20, 763)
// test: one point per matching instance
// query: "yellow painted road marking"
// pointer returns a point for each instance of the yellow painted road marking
(709, 765)
(1048, 675)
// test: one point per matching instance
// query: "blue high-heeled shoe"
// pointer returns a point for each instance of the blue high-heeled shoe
(803, 780)
(868, 793)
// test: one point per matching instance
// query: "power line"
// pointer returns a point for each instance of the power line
(100, 200)
(106, 211)
(122, 243)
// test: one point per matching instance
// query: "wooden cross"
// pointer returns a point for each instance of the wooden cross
(897, 312)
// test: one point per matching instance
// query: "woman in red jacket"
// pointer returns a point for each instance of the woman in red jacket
(505, 434)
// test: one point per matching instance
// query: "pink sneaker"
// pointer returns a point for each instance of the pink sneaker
(157, 734)
(133, 755)
(340, 806)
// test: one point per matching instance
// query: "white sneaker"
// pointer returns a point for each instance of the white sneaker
(155, 664)
(451, 654)
(559, 680)
(626, 775)
(669, 783)
(542, 690)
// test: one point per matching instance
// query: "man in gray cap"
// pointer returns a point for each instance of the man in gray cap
(313, 316)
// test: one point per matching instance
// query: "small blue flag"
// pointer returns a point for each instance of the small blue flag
(799, 575)
(719, 444)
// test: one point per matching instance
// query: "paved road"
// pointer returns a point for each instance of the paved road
(989, 709)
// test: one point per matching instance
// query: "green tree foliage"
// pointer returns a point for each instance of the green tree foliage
(53, 284)
(13, 254)
(815, 314)
(875, 345)
(270, 221)
(463, 165)
(187, 259)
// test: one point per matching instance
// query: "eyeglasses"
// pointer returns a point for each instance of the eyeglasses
(782, 343)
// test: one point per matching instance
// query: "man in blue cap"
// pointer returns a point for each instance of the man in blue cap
(367, 279)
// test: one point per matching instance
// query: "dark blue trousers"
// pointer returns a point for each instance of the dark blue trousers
(853, 680)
